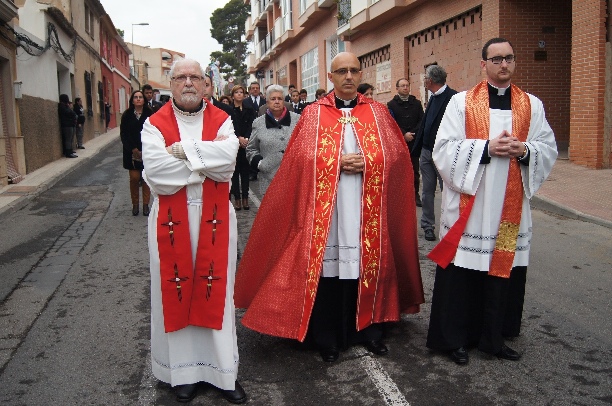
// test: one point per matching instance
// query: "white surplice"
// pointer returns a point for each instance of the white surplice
(192, 354)
(458, 162)
(342, 253)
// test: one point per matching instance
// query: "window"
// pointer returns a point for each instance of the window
(87, 23)
(88, 99)
(310, 72)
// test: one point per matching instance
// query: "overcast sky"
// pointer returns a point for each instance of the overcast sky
(178, 25)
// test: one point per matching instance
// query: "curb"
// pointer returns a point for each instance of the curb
(548, 205)
(96, 145)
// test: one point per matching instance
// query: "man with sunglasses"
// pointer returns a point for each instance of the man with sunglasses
(189, 149)
(493, 150)
(342, 206)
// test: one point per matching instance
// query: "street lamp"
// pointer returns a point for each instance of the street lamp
(133, 63)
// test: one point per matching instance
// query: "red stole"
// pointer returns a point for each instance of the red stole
(329, 141)
(193, 295)
(477, 125)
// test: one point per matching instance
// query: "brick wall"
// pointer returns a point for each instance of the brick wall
(588, 83)
(541, 30)
(40, 130)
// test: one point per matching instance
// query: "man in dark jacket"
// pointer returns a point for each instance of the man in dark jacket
(67, 119)
(407, 111)
(255, 99)
(435, 82)
(80, 112)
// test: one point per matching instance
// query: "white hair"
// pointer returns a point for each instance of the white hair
(274, 89)
(185, 61)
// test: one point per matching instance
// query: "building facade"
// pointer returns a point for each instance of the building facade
(152, 65)
(12, 158)
(115, 65)
(562, 48)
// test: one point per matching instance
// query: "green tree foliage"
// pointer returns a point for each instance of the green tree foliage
(228, 29)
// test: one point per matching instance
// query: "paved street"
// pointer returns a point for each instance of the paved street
(74, 318)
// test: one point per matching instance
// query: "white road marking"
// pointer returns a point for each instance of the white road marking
(383, 382)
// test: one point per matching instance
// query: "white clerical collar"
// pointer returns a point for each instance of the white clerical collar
(440, 90)
(500, 90)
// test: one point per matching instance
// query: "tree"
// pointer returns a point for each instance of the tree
(228, 29)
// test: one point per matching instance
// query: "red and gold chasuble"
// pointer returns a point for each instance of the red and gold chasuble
(193, 294)
(329, 141)
(477, 124)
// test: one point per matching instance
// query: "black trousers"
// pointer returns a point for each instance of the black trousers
(334, 316)
(472, 308)
(417, 175)
(240, 178)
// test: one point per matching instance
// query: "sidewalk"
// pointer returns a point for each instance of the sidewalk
(13, 197)
(577, 192)
(571, 190)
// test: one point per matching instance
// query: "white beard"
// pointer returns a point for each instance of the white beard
(190, 98)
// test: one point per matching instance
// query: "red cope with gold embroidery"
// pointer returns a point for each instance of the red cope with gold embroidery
(477, 125)
(330, 137)
(193, 294)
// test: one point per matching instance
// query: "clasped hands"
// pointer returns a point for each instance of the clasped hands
(505, 145)
(352, 163)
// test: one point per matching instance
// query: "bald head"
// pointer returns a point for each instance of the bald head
(345, 75)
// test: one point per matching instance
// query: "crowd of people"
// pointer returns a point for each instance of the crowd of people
(340, 183)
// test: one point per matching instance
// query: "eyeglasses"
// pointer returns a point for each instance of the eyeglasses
(345, 71)
(183, 78)
(498, 59)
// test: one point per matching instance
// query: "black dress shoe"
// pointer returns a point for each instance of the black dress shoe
(430, 235)
(376, 347)
(73, 155)
(237, 396)
(508, 353)
(185, 393)
(460, 356)
(134, 210)
(329, 354)
(145, 210)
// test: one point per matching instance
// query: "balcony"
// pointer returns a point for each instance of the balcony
(8, 10)
(264, 49)
(248, 29)
(311, 15)
(344, 18)
(387, 9)
(269, 5)
(326, 3)
(251, 63)
(258, 9)
(286, 27)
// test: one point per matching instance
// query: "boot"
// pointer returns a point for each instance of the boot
(237, 204)
(245, 203)
(145, 210)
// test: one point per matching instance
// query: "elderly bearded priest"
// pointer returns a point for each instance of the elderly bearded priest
(190, 149)
(342, 204)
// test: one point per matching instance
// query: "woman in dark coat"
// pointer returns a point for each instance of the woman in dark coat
(132, 121)
(243, 121)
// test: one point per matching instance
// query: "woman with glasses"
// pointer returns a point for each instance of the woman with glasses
(243, 120)
(132, 121)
